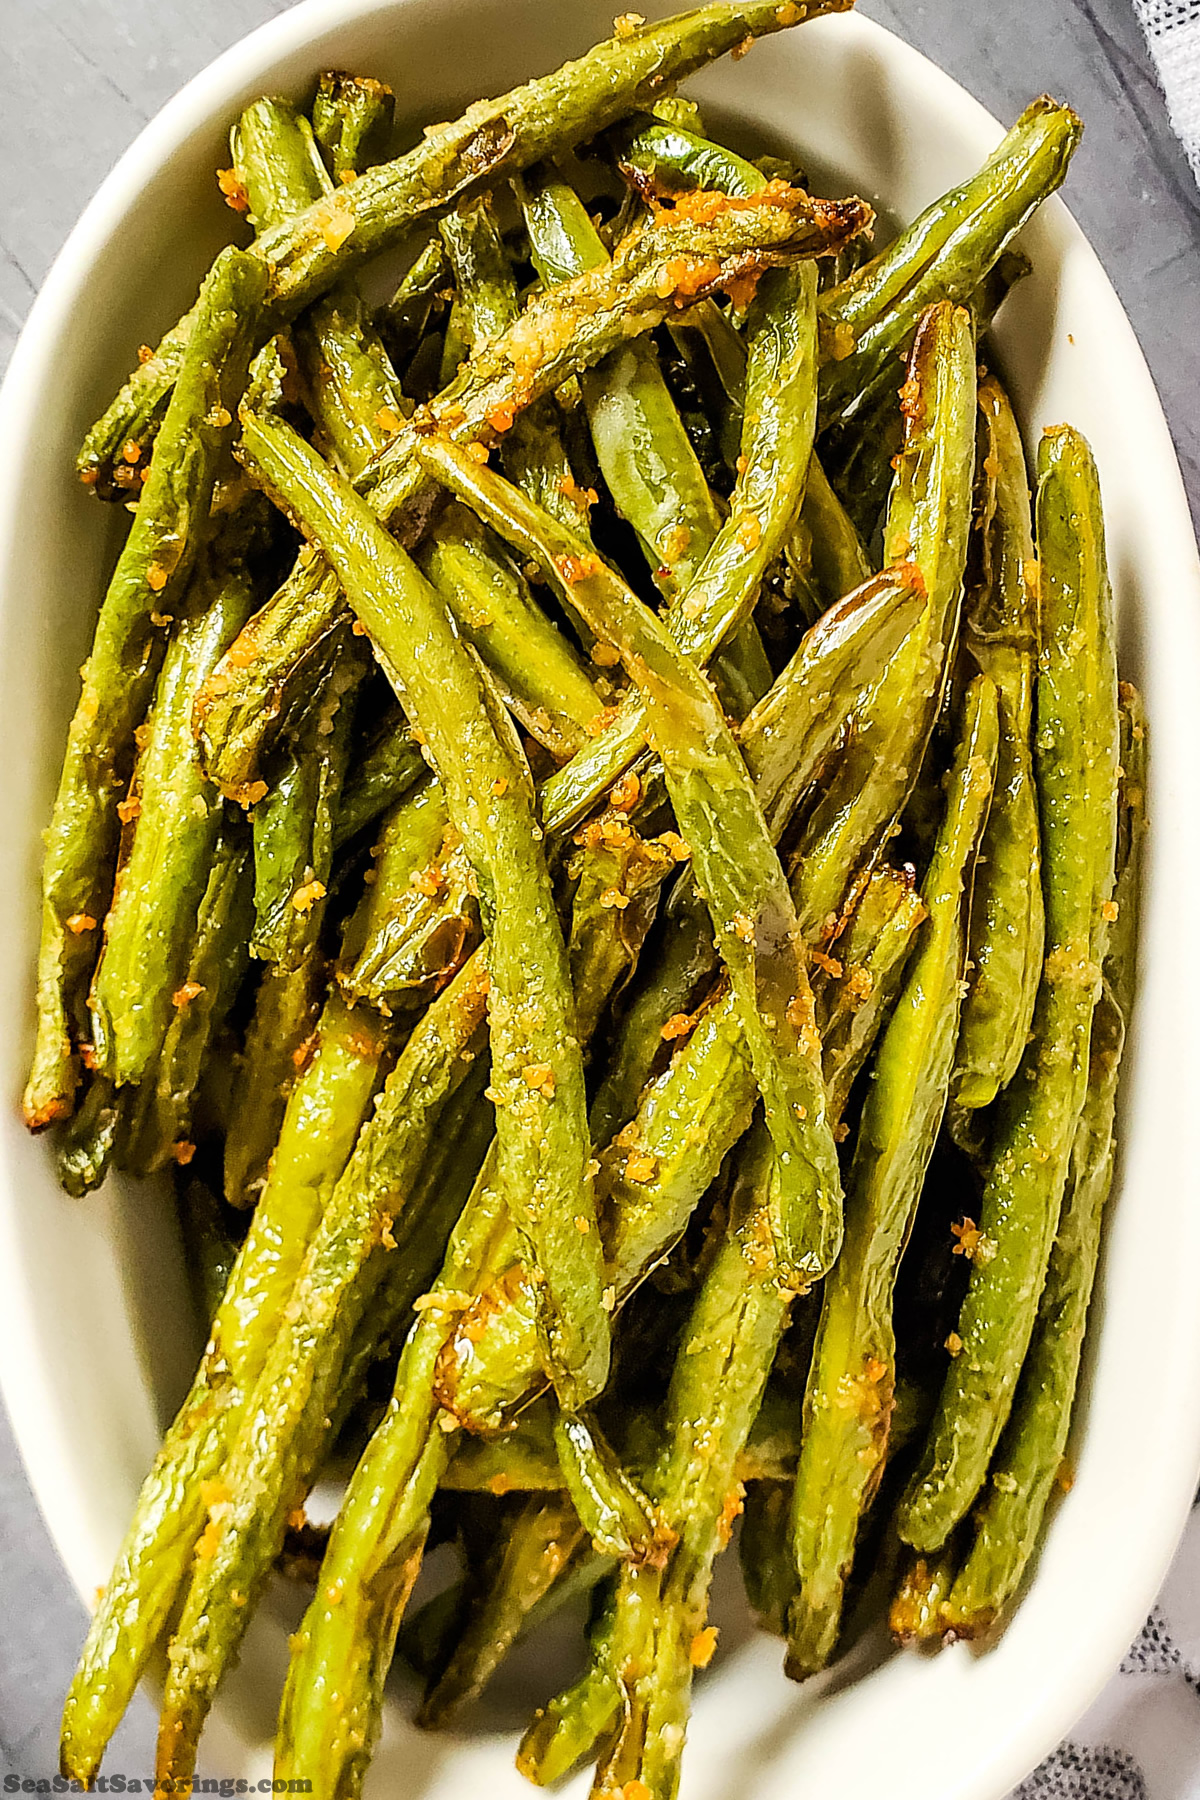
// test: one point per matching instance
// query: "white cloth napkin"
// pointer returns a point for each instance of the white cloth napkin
(1172, 30)
(1141, 1740)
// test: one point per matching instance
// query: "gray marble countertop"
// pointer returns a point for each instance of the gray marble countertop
(79, 78)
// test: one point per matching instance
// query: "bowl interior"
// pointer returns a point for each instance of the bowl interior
(96, 1335)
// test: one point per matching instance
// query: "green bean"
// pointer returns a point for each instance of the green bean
(1029, 1457)
(426, 919)
(323, 1116)
(442, 1187)
(872, 956)
(294, 824)
(276, 162)
(927, 532)
(565, 1730)
(658, 157)
(279, 1037)
(858, 450)
(277, 172)
(655, 1636)
(765, 1552)
(762, 511)
(210, 1250)
(669, 983)
(487, 289)
(645, 455)
(645, 1680)
(915, 1614)
(352, 122)
(619, 1518)
(383, 774)
(402, 321)
(641, 447)
(1000, 629)
(943, 255)
(161, 1113)
(534, 454)
(346, 1642)
(517, 1460)
(1075, 758)
(305, 256)
(603, 939)
(271, 1457)
(178, 817)
(353, 396)
(84, 1147)
(539, 1546)
(543, 680)
(149, 582)
(618, 878)
(738, 872)
(238, 709)
(848, 1402)
(349, 383)
(537, 1070)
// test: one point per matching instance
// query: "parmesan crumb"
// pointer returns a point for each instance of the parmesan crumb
(640, 1166)
(306, 897)
(627, 793)
(972, 1243)
(677, 1026)
(954, 1344)
(830, 964)
(183, 996)
(743, 927)
(335, 224)
(427, 881)
(80, 922)
(703, 1647)
(627, 25)
(235, 194)
(540, 1077)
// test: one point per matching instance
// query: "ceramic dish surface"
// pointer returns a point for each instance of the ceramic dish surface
(97, 1337)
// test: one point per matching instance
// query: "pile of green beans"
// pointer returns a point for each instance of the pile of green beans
(593, 779)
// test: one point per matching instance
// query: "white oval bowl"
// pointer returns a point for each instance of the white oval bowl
(96, 1335)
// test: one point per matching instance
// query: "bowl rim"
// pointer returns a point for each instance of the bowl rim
(26, 1389)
